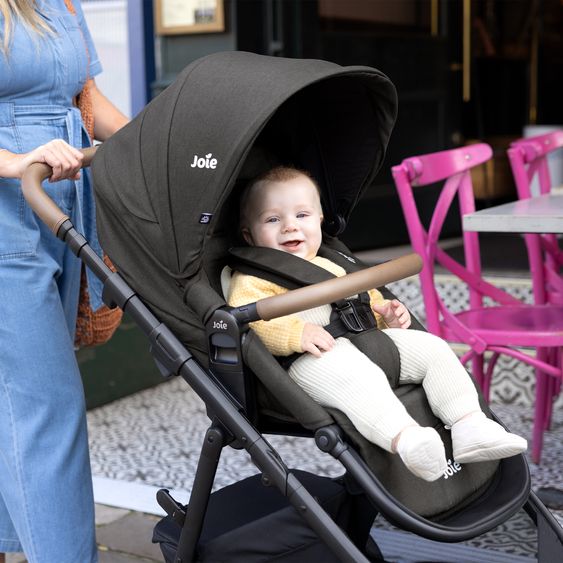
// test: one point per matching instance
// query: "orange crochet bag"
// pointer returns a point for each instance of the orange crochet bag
(92, 327)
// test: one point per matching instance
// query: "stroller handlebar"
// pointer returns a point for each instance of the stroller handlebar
(338, 288)
(35, 195)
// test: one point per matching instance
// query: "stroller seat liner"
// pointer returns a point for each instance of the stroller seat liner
(461, 483)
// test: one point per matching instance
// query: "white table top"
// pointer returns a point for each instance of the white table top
(540, 214)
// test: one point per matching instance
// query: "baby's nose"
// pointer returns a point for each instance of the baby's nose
(289, 227)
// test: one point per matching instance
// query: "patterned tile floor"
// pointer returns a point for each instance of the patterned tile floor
(153, 438)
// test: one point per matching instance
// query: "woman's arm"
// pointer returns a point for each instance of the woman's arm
(107, 118)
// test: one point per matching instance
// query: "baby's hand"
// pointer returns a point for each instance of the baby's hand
(394, 313)
(315, 340)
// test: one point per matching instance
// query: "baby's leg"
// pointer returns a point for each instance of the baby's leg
(346, 379)
(429, 360)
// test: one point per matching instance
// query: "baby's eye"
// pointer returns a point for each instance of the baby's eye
(272, 219)
(302, 214)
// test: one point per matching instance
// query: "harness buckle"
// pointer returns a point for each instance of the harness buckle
(356, 315)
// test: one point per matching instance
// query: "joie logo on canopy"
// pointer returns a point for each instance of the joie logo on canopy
(204, 161)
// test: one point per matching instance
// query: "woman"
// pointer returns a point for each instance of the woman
(46, 503)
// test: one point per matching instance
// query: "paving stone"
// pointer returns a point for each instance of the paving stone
(130, 535)
(108, 514)
(113, 557)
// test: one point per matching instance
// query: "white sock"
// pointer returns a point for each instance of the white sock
(422, 451)
(478, 438)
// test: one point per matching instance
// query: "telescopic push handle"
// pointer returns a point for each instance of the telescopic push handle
(338, 288)
(47, 210)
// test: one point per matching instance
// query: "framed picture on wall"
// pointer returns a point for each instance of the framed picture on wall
(175, 17)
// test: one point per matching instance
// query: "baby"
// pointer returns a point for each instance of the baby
(282, 210)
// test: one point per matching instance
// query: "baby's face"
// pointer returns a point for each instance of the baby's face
(286, 216)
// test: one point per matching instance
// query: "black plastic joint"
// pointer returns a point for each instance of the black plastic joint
(116, 291)
(167, 349)
(75, 241)
(64, 228)
(329, 440)
(245, 314)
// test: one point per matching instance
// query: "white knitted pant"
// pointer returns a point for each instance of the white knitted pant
(346, 379)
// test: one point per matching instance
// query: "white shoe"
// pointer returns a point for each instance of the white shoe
(478, 438)
(422, 451)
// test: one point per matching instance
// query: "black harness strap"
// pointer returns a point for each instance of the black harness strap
(276, 266)
(291, 272)
(349, 316)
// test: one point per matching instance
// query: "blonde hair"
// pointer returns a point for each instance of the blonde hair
(277, 174)
(23, 10)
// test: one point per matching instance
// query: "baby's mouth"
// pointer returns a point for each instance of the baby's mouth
(291, 244)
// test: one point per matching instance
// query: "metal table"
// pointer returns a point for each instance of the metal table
(539, 214)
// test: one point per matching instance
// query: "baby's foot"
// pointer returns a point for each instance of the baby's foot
(477, 438)
(422, 451)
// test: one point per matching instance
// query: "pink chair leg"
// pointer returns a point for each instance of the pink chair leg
(551, 390)
(555, 359)
(542, 394)
(488, 377)
(479, 374)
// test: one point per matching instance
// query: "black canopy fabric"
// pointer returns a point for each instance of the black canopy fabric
(163, 182)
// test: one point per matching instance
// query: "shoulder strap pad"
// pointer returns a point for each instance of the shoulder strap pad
(346, 261)
(276, 266)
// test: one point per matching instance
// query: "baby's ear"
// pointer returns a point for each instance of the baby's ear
(247, 236)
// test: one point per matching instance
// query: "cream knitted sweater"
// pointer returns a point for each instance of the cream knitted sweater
(282, 336)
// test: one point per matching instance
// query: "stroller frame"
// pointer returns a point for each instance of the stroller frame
(231, 427)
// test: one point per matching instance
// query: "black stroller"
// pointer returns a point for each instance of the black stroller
(167, 189)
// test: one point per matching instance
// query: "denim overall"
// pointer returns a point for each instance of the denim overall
(46, 501)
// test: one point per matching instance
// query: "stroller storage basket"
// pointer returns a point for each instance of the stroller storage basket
(248, 523)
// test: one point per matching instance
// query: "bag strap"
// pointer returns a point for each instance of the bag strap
(84, 98)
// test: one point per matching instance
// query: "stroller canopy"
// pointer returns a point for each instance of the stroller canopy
(162, 181)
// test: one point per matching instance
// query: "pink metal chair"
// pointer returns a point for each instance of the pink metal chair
(529, 162)
(499, 329)
(528, 159)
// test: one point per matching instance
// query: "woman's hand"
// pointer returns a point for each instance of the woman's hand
(394, 313)
(65, 161)
(315, 340)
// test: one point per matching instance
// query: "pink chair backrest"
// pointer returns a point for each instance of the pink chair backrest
(529, 160)
(454, 167)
